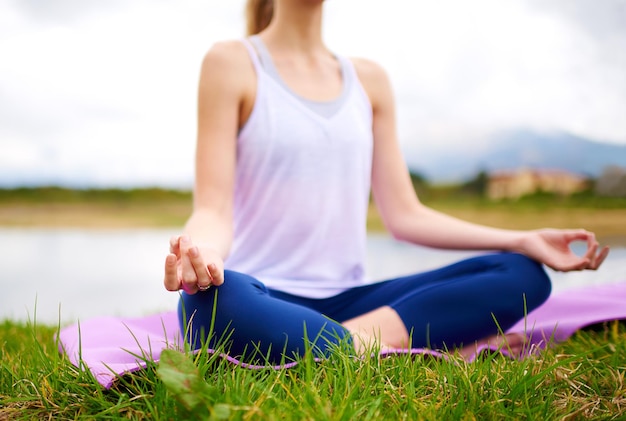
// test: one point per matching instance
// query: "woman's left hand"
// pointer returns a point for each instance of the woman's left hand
(552, 248)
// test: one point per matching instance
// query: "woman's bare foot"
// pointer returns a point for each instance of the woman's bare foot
(513, 343)
(365, 344)
(380, 330)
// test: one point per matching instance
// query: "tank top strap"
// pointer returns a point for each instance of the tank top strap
(349, 72)
(254, 54)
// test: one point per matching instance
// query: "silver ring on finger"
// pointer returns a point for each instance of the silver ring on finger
(204, 287)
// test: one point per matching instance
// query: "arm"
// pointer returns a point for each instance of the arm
(196, 257)
(409, 220)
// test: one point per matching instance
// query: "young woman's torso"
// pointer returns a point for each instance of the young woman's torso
(302, 177)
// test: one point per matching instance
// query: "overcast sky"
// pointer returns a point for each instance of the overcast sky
(102, 93)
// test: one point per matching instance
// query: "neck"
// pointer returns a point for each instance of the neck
(296, 25)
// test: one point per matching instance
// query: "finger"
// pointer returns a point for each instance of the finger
(174, 245)
(171, 281)
(580, 264)
(580, 235)
(591, 241)
(188, 274)
(202, 273)
(595, 264)
(216, 275)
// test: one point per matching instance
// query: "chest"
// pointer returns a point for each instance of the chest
(319, 81)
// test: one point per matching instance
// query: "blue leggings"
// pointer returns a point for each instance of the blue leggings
(443, 308)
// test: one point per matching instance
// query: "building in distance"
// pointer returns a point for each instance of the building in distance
(524, 181)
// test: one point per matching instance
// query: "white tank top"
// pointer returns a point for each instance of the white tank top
(302, 186)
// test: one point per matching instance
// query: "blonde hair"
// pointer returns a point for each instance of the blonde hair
(258, 15)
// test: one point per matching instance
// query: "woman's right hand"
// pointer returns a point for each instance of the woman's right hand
(191, 268)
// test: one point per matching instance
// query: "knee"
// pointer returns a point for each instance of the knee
(210, 312)
(235, 287)
(532, 278)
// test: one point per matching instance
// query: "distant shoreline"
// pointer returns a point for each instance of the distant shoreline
(608, 224)
(144, 208)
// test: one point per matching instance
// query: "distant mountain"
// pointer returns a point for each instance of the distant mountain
(520, 148)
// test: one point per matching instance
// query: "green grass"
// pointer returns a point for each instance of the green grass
(583, 378)
(55, 194)
(441, 194)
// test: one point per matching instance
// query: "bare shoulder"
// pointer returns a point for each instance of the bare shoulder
(374, 79)
(228, 59)
(369, 71)
(231, 51)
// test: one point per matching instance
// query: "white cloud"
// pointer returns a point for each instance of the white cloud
(106, 92)
(111, 96)
(492, 64)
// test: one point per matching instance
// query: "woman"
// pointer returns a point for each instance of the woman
(290, 140)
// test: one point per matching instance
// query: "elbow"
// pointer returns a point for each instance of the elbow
(399, 234)
(403, 225)
(397, 226)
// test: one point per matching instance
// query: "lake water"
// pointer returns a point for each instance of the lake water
(62, 275)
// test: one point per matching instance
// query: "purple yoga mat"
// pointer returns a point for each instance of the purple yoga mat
(113, 346)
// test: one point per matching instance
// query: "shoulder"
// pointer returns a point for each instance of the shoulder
(227, 71)
(227, 57)
(231, 51)
(368, 70)
(374, 79)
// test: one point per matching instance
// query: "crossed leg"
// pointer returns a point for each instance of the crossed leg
(451, 308)
(458, 307)
(383, 329)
